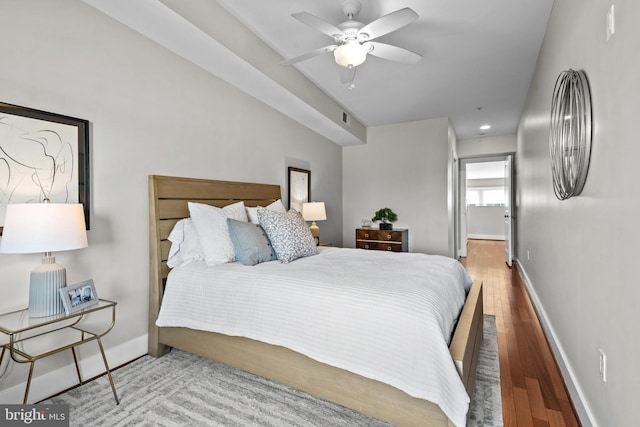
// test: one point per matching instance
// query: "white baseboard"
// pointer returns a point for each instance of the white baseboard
(54, 382)
(573, 386)
(485, 236)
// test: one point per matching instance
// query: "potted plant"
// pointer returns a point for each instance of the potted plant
(387, 216)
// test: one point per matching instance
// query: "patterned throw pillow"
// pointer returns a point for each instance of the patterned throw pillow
(288, 233)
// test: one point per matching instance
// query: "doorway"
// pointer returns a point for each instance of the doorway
(485, 208)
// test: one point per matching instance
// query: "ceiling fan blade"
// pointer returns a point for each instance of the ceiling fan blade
(309, 55)
(347, 74)
(318, 24)
(393, 53)
(388, 23)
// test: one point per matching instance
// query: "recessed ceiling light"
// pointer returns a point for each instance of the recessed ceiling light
(485, 127)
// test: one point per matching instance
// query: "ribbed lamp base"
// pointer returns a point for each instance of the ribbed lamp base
(315, 232)
(46, 280)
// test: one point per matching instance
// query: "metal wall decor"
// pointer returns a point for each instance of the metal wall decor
(570, 135)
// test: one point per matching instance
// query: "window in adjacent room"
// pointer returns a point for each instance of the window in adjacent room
(485, 183)
(487, 196)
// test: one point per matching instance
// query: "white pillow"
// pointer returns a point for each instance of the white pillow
(276, 206)
(288, 234)
(211, 225)
(185, 245)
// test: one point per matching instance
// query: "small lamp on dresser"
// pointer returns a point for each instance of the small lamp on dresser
(44, 227)
(313, 212)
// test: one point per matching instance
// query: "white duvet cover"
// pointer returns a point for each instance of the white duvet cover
(385, 316)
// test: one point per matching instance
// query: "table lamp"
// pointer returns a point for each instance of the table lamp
(44, 227)
(314, 211)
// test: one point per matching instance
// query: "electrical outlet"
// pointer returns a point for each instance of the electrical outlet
(603, 366)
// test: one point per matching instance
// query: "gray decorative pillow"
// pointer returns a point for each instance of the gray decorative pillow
(250, 242)
(288, 233)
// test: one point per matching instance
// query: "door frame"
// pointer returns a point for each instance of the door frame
(509, 249)
(461, 243)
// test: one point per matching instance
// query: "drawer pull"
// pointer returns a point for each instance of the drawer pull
(388, 248)
(366, 234)
(388, 236)
(366, 246)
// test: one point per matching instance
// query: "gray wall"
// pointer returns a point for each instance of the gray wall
(404, 167)
(486, 145)
(579, 255)
(485, 222)
(151, 112)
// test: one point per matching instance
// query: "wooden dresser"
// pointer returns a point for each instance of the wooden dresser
(396, 240)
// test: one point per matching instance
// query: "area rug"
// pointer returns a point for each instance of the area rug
(485, 409)
(181, 389)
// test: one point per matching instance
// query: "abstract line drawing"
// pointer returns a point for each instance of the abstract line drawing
(299, 188)
(42, 156)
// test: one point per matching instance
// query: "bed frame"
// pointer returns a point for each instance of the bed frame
(168, 197)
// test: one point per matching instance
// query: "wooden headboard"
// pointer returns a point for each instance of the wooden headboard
(168, 203)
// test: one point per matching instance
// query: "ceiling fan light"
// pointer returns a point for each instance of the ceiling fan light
(351, 53)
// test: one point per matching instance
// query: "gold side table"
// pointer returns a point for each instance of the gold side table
(68, 330)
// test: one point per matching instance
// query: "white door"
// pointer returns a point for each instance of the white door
(508, 212)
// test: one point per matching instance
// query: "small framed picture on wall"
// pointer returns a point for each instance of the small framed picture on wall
(299, 188)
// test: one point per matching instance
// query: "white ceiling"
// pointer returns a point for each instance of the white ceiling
(486, 170)
(478, 58)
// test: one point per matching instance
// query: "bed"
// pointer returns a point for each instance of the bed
(168, 201)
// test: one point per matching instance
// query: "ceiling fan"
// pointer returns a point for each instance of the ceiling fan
(353, 39)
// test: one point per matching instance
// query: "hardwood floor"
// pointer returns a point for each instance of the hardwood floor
(533, 391)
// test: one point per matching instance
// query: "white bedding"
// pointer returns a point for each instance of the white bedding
(384, 316)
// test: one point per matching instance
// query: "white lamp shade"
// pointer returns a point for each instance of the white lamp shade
(314, 211)
(351, 53)
(43, 227)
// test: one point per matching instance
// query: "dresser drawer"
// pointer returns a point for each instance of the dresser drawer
(382, 240)
(379, 246)
(365, 234)
(383, 235)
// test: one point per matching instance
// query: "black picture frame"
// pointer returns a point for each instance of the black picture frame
(14, 128)
(299, 188)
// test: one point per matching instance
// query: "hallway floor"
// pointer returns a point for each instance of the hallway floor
(533, 391)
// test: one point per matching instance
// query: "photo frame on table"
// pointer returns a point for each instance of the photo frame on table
(77, 297)
(43, 156)
(299, 188)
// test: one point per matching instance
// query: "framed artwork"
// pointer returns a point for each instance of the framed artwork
(299, 188)
(42, 156)
(77, 297)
